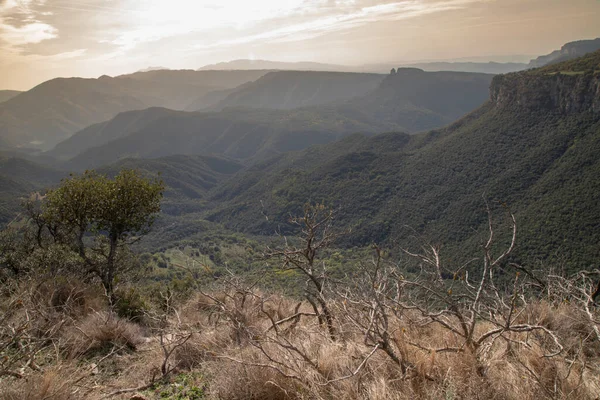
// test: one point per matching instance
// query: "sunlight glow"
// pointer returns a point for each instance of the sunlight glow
(156, 19)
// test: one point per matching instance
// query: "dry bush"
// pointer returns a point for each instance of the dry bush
(245, 381)
(54, 384)
(300, 360)
(101, 331)
(68, 297)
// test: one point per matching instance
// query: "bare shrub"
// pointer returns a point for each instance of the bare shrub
(101, 331)
(67, 296)
(246, 381)
(54, 384)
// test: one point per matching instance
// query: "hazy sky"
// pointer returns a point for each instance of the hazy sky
(42, 39)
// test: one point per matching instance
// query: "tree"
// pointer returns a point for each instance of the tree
(316, 235)
(100, 217)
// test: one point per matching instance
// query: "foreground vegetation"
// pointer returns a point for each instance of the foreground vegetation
(395, 327)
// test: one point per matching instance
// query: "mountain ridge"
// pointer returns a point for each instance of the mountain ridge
(55, 109)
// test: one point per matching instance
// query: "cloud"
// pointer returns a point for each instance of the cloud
(354, 14)
(34, 32)
(117, 36)
(125, 25)
(20, 26)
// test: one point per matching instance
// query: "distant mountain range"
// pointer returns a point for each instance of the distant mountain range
(481, 67)
(526, 140)
(410, 100)
(286, 90)
(51, 112)
(54, 110)
(413, 100)
(486, 68)
(569, 51)
(274, 65)
(8, 94)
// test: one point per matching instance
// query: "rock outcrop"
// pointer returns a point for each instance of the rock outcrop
(562, 93)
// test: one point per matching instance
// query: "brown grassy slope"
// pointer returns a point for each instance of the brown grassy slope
(225, 346)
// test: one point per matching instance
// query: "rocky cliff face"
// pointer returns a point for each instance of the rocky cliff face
(565, 94)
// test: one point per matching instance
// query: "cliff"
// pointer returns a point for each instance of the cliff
(565, 94)
(568, 87)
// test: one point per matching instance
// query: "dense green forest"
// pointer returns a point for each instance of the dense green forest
(539, 163)
(517, 151)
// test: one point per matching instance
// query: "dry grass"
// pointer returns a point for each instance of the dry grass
(54, 384)
(511, 366)
(101, 331)
(235, 347)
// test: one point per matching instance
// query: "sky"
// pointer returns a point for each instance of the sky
(43, 39)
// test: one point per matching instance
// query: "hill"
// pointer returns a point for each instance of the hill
(188, 179)
(415, 100)
(242, 134)
(538, 158)
(8, 94)
(286, 90)
(54, 110)
(98, 134)
(479, 67)
(212, 98)
(18, 179)
(410, 100)
(568, 51)
(244, 64)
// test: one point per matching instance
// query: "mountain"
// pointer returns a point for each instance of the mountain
(569, 51)
(415, 100)
(153, 69)
(410, 100)
(8, 94)
(98, 134)
(210, 99)
(18, 179)
(188, 179)
(479, 67)
(241, 134)
(455, 66)
(274, 65)
(532, 147)
(286, 90)
(54, 110)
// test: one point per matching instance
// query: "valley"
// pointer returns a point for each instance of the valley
(272, 230)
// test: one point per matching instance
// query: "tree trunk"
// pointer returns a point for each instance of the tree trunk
(108, 276)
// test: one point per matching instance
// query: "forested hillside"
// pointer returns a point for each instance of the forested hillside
(415, 100)
(188, 179)
(19, 178)
(530, 148)
(538, 160)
